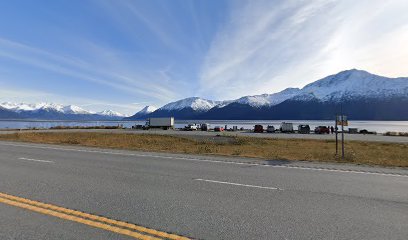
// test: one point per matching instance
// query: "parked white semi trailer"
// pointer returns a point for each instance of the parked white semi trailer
(163, 122)
(287, 127)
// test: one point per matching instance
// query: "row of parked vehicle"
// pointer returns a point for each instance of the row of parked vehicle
(206, 127)
(288, 128)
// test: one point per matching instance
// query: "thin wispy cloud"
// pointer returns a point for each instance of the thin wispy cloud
(105, 74)
(270, 45)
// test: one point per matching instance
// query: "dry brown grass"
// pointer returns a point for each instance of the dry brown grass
(384, 154)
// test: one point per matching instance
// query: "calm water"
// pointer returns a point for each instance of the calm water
(378, 126)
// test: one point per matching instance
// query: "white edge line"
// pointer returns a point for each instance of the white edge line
(206, 160)
(36, 160)
(237, 184)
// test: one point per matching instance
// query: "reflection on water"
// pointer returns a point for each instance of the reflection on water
(378, 126)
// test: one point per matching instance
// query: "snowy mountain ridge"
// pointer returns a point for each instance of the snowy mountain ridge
(356, 83)
(65, 109)
(343, 85)
(268, 99)
(196, 103)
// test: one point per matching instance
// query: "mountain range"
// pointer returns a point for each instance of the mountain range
(52, 111)
(357, 93)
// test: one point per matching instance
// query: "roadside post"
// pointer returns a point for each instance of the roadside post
(337, 140)
(342, 121)
(342, 137)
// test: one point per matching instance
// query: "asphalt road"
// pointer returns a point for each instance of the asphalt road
(198, 196)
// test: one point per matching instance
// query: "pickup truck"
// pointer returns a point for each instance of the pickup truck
(322, 130)
(191, 127)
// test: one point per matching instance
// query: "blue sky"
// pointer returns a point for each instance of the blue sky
(123, 55)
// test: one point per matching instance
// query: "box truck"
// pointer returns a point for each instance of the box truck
(163, 123)
(286, 127)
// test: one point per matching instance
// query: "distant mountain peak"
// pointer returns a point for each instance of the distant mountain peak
(72, 109)
(148, 109)
(54, 110)
(111, 113)
(196, 103)
(143, 113)
(356, 83)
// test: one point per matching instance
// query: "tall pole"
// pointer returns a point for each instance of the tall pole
(342, 133)
(337, 140)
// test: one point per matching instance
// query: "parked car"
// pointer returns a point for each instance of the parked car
(258, 129)
(304, 129)
(191, 127)
(322, 130)
(205, 127)
(286, 127)
(218, 129)
(270, 129)
(138, 126)
(365, 131)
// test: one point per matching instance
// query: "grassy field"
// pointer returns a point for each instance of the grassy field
(384, 154)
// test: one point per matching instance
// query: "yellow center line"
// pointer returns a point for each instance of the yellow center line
(86, 218)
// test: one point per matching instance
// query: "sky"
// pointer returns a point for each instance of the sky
(123, 55)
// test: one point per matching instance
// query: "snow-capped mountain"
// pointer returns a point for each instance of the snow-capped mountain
(195, 103)
(52, 111)
(72, 109)
(363, 96)
(347, 84)
(186, 108)
(111, 113)
(356, 84)
(366, 95)
(19, 107)
(142, 113)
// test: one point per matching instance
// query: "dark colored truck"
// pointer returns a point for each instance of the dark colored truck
(258, 129)
(304, 129)
(322, 130)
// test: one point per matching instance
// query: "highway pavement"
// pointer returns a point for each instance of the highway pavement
(71, 192)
